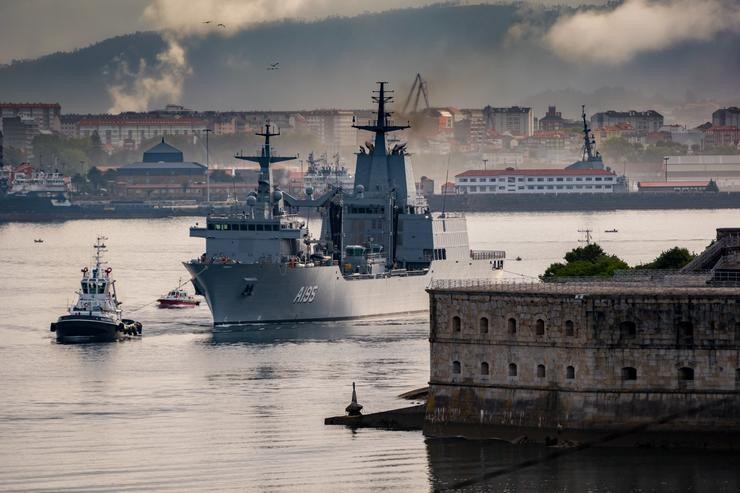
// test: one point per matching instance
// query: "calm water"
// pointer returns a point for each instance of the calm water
(183, 409)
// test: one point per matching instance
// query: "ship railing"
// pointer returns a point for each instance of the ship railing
(372, 122)
(725, 278)
(487, 254)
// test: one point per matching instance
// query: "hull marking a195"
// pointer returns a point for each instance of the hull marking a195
(306, 294)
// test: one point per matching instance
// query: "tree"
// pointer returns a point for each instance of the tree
(13, 156)
(95, 154)
(674, 258)
(95, 177)
(587, 261)
(79, 182)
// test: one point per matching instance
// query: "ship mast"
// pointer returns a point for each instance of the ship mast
(264, 183)
(588, 139)
(98, 247)
(383, 124)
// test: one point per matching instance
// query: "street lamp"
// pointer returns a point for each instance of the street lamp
(665, 161)
(208, 169)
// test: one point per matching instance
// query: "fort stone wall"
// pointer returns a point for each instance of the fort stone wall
(658, 364)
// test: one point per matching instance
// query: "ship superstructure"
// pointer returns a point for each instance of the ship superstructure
(322, 176)
(378, 249)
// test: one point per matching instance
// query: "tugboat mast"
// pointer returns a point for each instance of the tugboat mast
(98, 246)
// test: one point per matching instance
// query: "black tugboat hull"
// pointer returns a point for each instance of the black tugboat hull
(71, 329)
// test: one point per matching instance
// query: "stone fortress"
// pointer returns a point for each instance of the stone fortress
(651, 359)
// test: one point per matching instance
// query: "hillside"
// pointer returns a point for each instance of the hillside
(467, 54)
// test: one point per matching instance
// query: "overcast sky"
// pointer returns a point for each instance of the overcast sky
(31, 28)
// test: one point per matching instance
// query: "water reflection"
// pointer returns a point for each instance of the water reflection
(490, 465)
(378, 330)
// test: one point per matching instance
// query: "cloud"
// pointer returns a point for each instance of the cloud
(638, 26)
(187, 17)
(157, 84)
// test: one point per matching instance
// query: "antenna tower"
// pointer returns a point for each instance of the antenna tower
(587, 234)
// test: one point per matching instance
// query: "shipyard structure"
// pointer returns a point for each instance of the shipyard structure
(648, 359)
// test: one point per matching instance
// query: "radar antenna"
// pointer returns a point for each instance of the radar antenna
(587, 236)
(382, 124)
(264, 182)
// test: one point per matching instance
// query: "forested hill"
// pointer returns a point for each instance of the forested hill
(470, 56)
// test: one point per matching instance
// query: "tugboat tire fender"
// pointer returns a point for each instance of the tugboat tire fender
(53, 327)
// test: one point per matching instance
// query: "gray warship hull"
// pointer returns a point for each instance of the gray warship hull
(240, 294)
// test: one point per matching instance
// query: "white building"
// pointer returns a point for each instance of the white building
(46, 115)
(120, 131)
(514, 120)
(536, 181)
(642, 121)
(724, 170)
(686, 136)
(333, 129)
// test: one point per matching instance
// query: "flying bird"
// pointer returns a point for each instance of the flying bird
(221, 25)
(274, 66)
(206, 22)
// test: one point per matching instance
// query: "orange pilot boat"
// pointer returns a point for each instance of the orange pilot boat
(178, 298)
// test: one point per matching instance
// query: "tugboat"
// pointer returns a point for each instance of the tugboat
(96, 317)
(178, 298)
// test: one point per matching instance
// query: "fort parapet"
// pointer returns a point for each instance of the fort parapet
(648, 361)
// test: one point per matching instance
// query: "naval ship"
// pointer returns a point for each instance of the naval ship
(378, 249)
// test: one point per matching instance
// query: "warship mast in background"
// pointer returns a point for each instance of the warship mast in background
(590, 157)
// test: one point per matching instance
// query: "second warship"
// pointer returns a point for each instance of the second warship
(379, 246)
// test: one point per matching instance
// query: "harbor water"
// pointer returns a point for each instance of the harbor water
(185, 409)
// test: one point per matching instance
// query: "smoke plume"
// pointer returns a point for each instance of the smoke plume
(636, 26)
(163, 81)
(159, 83)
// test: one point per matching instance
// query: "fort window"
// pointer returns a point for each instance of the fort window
(737, 375)
(456, 324)
(627, 329)
(540, 327)
(685, 332)
(512, 326)
(570, 373)
(685, 374)
(484, 368)
(540, 371)
(629, 373)
(483, 325)
(456, 369)
(512, 370)
(569, 328)
(737, 331)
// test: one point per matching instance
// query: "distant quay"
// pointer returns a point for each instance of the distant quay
(539, 202)
(644, 361)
